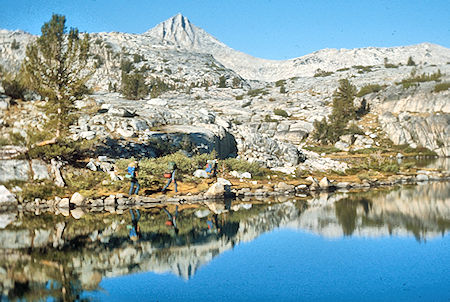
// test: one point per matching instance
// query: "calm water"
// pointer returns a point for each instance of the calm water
(374, 246)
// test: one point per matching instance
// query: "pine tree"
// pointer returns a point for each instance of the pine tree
(343, 107)
(133, 86)
(343, 111)
(222, 82)
(55, 67)
(410, 62)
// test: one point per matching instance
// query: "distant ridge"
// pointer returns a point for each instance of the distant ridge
(180, 32)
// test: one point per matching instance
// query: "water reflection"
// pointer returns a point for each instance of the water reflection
(57, 256)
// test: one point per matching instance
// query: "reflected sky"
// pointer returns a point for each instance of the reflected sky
(289, 265)
(379, 245)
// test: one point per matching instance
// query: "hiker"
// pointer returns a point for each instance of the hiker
(134, 227)
(133, 175)
(171, 176)
(172, 219)
(211, 168)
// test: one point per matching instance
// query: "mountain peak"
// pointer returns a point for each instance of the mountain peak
(176, 30)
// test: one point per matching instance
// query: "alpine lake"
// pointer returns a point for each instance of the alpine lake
(389, 244)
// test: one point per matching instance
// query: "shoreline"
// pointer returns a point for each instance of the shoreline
(248, 190)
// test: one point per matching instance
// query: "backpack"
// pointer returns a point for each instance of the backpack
(131, 172)
(208, 168)
(172, 166)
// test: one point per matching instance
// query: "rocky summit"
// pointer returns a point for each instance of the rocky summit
(221, 99)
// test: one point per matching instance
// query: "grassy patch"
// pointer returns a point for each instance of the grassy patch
(441, 87)
(323, 149)
(370, 89)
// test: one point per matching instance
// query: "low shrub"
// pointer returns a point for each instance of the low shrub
(414, 79)
(363, 69)
(280, 112)
(13, 85)
(240, 165)
(64, 149)
(43, 190)
(280, 83)
(322, 73)
(151, 170)
(441, 87)
(370, 89)
(88, 180)
(256, 92)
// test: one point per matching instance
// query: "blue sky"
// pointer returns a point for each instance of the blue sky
(272, 29)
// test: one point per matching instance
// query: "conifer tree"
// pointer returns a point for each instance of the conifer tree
(343, 111)
(343, 107)
(410, 62)
(55, 67)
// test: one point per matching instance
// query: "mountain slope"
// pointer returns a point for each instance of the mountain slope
(179, 32)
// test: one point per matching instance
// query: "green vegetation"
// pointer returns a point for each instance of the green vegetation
(343, 112)
(389, 65)
(280, 83)
(15, 45)
(158, 87)
(239, 97)
(283, 89)
(133, 86)
(240, 165)
(55, 67)
(441, 87)
(246, 104)
(370, 89)
(280, 112)
(42, 190)
(256, 92)
(323, 149)
(269, 119)
(322, 73)
(64, 148)
(222, 82)
(236, 82)
(414, 79)
(410, 62)
(126, 66)
(13, 84)
(138, 58)
(343, 69)
(363, 69)
(152, 169)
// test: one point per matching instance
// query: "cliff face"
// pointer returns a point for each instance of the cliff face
(416, 116)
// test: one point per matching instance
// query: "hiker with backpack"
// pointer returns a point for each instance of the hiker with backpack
(171, 176)
(211, 168)
(132, 174)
